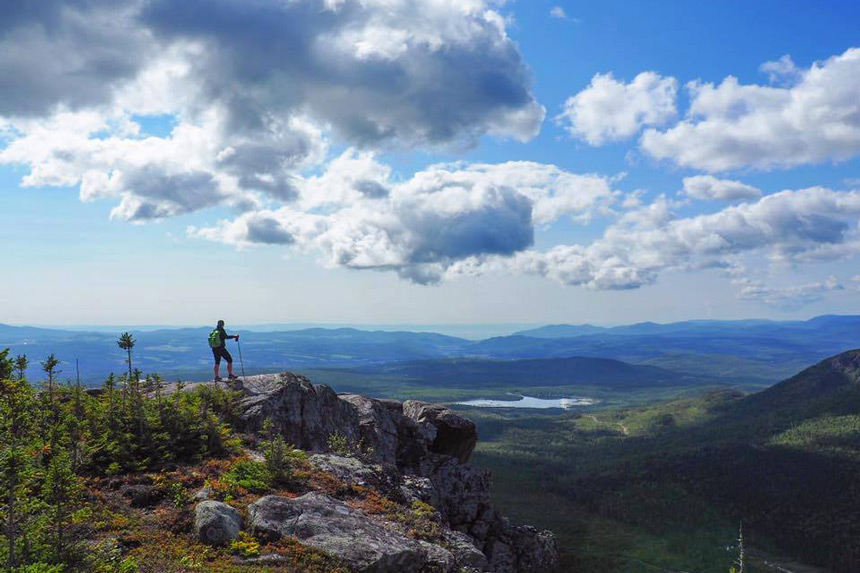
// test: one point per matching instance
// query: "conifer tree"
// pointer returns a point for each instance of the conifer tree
(49, 366)
(126, 342)
(61, 493)
(49, 425)
(21, 365)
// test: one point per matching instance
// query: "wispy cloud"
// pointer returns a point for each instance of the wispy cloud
(707, 187)
(789, 297)
(559, 13)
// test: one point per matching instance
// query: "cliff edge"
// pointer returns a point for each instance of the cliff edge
(413, 455)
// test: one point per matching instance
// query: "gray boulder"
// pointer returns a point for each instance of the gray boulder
(332, 526)
(216, 523)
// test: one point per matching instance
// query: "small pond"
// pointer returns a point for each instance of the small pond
(529, 402)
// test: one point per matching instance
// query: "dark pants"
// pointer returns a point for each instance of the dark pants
(221, 352)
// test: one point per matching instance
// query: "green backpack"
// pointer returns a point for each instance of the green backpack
(215, 338)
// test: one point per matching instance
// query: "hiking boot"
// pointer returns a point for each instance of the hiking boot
(232, 377)
(218, 379)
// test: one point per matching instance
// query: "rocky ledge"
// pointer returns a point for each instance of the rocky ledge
(412, 452)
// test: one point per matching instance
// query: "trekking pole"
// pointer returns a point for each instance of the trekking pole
(241, 362)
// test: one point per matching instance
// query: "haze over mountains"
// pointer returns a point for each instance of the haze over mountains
(748, 351)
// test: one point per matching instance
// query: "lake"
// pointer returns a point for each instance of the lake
(529, 402)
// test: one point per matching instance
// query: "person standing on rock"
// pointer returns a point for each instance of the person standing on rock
(218, 343)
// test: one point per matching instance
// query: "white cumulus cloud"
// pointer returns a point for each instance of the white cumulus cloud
(610, 110)
(421, 227)
(815, 118)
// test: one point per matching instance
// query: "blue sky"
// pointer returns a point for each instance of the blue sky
(296, 177)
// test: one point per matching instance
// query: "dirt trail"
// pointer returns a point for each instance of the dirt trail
(624, 429)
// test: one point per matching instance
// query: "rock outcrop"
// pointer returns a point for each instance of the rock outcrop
(328, 524)
(452, 435)
(412, 451)
(304, 413)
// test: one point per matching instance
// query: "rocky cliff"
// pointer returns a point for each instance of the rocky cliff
(414, 454)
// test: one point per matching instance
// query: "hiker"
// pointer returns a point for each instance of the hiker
(218, 343)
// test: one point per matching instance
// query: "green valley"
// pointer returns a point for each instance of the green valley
(665, 486)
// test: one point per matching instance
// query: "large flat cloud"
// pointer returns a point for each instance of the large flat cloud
(729, 126)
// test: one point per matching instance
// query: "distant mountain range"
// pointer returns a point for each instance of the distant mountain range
(754, 351)
(756, 326)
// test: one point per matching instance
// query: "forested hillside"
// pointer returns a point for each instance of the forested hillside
(668, 484)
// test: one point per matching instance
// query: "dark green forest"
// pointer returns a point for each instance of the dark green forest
(667, 485)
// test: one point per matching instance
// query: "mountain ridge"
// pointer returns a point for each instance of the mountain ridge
(767, 351)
